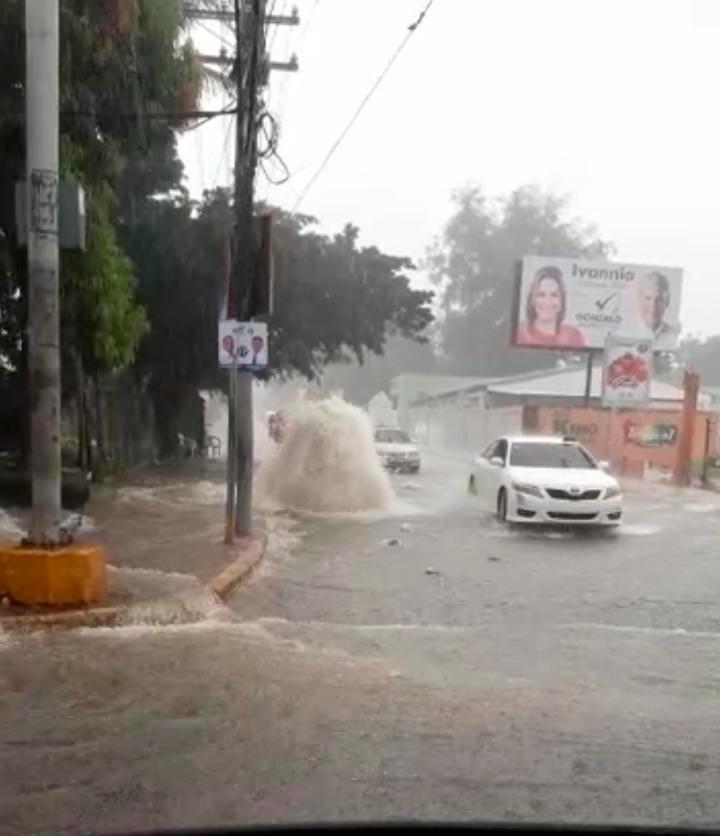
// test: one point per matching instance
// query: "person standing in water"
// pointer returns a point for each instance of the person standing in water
(545, 309)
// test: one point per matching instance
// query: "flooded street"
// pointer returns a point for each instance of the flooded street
(421, 662)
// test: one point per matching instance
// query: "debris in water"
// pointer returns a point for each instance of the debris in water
(327, 462)
(406, 527)
(431, 571)
(392, 541)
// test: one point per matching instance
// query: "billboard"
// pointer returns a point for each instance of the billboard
(627, 372)
(572, 304)
(242, 345)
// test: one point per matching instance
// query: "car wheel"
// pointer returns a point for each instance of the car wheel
(502, 505)
(472, 487)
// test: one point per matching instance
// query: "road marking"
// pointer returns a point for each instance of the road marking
(659, 631)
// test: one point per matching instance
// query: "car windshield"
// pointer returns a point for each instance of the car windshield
(538, 454)
(391, 436)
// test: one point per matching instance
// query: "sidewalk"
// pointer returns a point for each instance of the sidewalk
(163, 531)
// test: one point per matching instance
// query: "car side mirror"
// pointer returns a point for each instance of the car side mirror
(604, 465)
(496, 461)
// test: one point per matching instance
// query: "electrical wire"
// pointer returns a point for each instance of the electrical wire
(346, 130)
(229, 110)
(225, 41)
(275, 26)
(224, 153)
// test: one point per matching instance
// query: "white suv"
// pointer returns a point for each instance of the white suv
(397, 451)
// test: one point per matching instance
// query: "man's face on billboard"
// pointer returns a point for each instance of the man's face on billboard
(257, 344)
(653, 302)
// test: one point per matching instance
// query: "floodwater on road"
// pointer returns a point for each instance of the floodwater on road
(421, 662)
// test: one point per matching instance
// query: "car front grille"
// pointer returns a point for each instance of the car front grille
(559, 493)
(563, 515)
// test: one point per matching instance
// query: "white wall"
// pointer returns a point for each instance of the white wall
(462, 424)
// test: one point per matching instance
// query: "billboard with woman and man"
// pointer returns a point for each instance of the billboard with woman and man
(571, 303)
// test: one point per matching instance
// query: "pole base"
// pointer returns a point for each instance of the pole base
(65, 576)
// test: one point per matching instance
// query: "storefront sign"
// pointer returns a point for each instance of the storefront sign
(627, 370)
(650, 435)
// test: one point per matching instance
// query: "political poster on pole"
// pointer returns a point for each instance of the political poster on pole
(627, 372)
(243, 345)
(573, 304)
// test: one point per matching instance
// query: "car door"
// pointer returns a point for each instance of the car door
(484, 475)
(495, 474)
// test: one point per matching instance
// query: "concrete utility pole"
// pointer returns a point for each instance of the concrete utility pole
(42, 103)
(249, 53)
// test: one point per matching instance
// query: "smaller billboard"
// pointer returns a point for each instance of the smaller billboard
(627, 372)
(243, 345)
(572, 304)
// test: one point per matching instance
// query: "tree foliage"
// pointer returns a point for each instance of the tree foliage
(336, 300)
(474, 261)
(121, 61)
(333, 298)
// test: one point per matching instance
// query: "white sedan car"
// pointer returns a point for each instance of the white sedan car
(545, 479)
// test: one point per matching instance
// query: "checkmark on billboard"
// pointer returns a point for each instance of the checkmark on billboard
(601, 304)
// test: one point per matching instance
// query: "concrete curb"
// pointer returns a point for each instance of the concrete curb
(240, 568)
(221, 585)
(67, 619)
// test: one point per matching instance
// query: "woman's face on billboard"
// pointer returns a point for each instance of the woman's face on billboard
(548, 300)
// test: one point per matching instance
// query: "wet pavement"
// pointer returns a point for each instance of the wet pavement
(467, 671)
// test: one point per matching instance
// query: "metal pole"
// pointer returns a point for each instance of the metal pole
(231, 460)
(706, 459)
(244, 454)
(42, 103)
(588, 377)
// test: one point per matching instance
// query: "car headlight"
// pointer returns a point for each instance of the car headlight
(611, 493)
(528, 490)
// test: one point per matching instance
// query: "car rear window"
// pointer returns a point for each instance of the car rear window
(391, 437)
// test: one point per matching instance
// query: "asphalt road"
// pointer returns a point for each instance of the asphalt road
(467, 672)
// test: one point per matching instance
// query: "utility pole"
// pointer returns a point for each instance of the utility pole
(250, 74)
(249, 53)
(42, 103)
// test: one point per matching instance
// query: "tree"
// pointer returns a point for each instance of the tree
(120, 62)
(334, 300)
(358, 383)
(474, 261)
(702, 355)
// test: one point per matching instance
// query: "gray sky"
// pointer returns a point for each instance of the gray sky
(611, 101)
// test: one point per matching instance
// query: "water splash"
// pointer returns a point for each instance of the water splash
(10, 528)
(326, 464)
(190, 607)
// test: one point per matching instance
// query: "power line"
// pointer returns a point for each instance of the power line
(333, 148)
(224, 154)
(226, 41)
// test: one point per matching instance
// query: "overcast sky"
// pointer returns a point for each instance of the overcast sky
(614, 102)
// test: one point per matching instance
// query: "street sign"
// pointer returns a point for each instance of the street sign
(243, 345)
(627, 371)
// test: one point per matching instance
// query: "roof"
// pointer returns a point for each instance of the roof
(570, 383)
(559, 383)
(429, 384)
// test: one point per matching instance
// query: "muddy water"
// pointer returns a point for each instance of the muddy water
(163, 530)
(326, 463)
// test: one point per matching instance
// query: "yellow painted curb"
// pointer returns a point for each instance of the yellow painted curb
(65, 576)
(238, 569)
